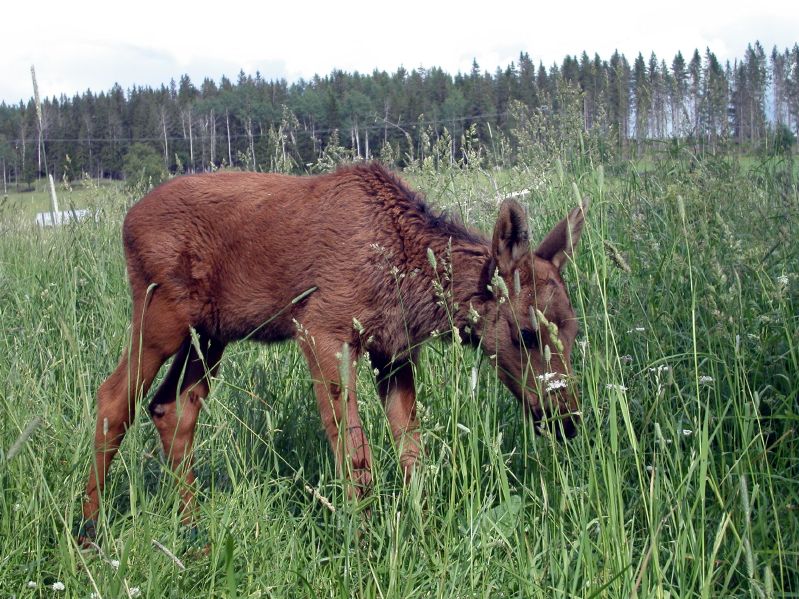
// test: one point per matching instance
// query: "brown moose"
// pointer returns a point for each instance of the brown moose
(348, 257)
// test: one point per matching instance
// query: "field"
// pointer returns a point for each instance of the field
(683, 480)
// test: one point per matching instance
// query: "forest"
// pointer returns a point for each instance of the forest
(620, 106)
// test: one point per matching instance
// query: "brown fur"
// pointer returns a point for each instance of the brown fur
(227, 254)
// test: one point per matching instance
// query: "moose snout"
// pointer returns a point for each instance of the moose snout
(566, 425)
(559, 414)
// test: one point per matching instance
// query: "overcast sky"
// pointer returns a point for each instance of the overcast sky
(83, 45)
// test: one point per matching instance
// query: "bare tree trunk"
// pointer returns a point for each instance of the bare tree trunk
(385, 125)
(191, 146)
(248, 127)
(203, 141)
(229, 151)
(166, 141)
(5, 181)
(213, 137)
(366, 140)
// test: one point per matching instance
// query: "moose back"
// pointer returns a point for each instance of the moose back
(343, 258)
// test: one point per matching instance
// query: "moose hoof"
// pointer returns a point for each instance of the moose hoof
(361, 482)
(87, 533)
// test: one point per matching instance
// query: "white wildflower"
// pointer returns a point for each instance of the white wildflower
(556, 384)
(545, 378)
(687, 432)
(783, 280)
(135, 592)
(626, 359)
(615, 387)
(637, 330)
(17, 507)
(58, 586)
(114, 564)
(705, 380)
(31, 584)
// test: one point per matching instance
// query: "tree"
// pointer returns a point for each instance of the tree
(619, 97)
(715, 99)
(695, 90)
(643, 99)
(792, 85)
(143, 165)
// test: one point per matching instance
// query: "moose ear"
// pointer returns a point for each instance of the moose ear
(558, 246)
(511, 237)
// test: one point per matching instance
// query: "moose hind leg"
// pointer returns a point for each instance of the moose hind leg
(156, 334)
(176, 406)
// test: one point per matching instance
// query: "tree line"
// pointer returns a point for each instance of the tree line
(257, 123)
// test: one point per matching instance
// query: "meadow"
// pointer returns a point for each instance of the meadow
(682, 482)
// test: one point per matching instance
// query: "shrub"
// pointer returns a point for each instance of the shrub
(142, 164)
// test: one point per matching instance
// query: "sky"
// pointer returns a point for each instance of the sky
(88, 44)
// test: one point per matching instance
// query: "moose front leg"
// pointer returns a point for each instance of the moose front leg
(176, 406)
(338, 408)
(398, 393)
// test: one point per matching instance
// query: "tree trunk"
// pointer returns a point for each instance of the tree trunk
(166, 141)
(191, 146)
(213, 137)
(248, 127)
(229, 151)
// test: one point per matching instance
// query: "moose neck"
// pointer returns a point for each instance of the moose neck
(463, 266)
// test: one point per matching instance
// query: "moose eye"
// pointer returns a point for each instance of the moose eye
(529, 338)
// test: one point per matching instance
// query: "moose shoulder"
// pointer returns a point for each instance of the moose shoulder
(328, 260)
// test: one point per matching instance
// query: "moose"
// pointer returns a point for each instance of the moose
(344, 261)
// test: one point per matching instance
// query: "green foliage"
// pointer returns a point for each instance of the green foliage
(142, 164)
(681, 483)
(783, 141)
(257, 124)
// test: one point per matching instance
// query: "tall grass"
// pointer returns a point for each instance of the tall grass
(682, 481)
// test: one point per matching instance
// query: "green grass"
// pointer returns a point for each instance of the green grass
(677, 486)
(25, 204)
